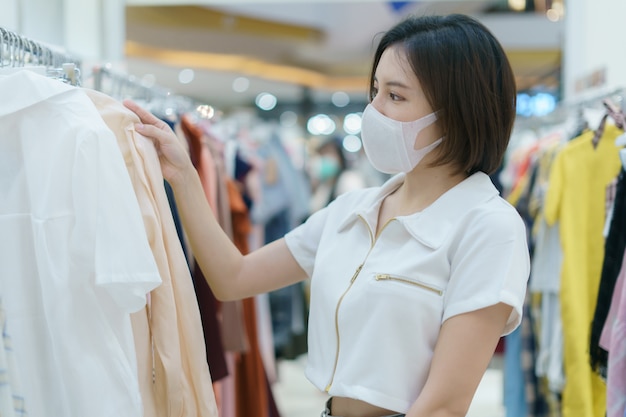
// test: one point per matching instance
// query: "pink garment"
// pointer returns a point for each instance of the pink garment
(613, 340)
(174, 375)
(202, 161)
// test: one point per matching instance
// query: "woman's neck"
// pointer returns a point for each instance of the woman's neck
(423, 186)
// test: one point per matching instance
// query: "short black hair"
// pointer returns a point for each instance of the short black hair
(465, 74)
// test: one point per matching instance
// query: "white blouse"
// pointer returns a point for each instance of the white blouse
(74, 256)
(377, 304)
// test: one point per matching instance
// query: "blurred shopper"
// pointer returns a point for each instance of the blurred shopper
(331, 174)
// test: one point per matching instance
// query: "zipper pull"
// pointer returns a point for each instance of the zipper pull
(356, 273)
(381, 277)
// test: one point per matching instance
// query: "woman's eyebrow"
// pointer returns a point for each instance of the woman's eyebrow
(393, 83)
(396, 84)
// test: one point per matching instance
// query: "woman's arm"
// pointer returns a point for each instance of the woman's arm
(229, 274)
(464, 349)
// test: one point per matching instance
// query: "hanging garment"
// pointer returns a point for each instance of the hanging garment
(182, 385)
(74, 256)
(230, 334)
(11, 398)
(576, 198)
(523, 395)
(211, 326)
(544, 284)
(613, 340)
(253, 396)
(614, 248)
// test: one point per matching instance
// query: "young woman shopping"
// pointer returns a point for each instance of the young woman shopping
(413, 282)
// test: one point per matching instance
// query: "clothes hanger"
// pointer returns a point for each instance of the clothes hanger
(614, 113)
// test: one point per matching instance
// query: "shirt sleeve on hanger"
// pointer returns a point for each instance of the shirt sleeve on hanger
(123, 263)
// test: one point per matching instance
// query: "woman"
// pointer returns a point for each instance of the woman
(413, 282)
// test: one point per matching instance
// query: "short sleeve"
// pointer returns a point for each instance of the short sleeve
(304, 240)
(105, 201)
(490, 265)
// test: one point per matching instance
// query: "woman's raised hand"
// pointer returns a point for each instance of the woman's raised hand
(175, 162)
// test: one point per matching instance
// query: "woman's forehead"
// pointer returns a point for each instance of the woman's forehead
(394, 65)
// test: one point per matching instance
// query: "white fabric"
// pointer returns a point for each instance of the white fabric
(545, 278)
(11, 398)
(545, 275)
(464, 252)
(75, 259)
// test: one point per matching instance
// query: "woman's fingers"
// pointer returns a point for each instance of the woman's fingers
(145, 116)
(153, 132)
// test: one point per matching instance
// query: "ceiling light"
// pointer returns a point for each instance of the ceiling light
(352, 123)
(186, 76)
(288, 119)
(517, 5)
(321, 124)
(352, 143)
(241, 84)
(266, 101)
(553, 15)
(340, 99)
(205, 111)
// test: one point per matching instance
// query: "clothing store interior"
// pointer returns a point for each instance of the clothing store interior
(267, 96)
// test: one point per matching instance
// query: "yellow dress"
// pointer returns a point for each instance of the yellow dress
(576, 198)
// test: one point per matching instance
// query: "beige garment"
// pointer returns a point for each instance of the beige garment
(175, 380)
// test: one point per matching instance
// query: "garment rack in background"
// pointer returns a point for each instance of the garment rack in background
(567, 109)
(158, 99)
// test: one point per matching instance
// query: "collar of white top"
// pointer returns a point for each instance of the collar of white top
(431, 225)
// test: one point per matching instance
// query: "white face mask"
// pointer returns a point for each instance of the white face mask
(389, 144)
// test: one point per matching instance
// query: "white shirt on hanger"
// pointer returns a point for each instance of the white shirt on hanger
(74, 256)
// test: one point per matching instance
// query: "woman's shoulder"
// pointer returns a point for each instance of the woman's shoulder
(485, 208)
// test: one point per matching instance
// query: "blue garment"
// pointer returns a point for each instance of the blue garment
(514, 392)
(286, 304)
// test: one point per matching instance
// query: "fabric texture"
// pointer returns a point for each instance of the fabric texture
(75, 259)
(614, 247)
(575, 198)
(176, 361)
(464, 252)
(613, 340)
(251, 385)
(12, 402)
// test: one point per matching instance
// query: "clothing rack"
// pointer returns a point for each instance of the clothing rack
(574, 108)
(158, 99)
(121, 85)
(17, 51)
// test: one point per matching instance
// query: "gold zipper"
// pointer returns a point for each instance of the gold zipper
(387, 277)
(354, 276)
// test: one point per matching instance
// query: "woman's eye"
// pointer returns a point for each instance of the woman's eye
(394, 97)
